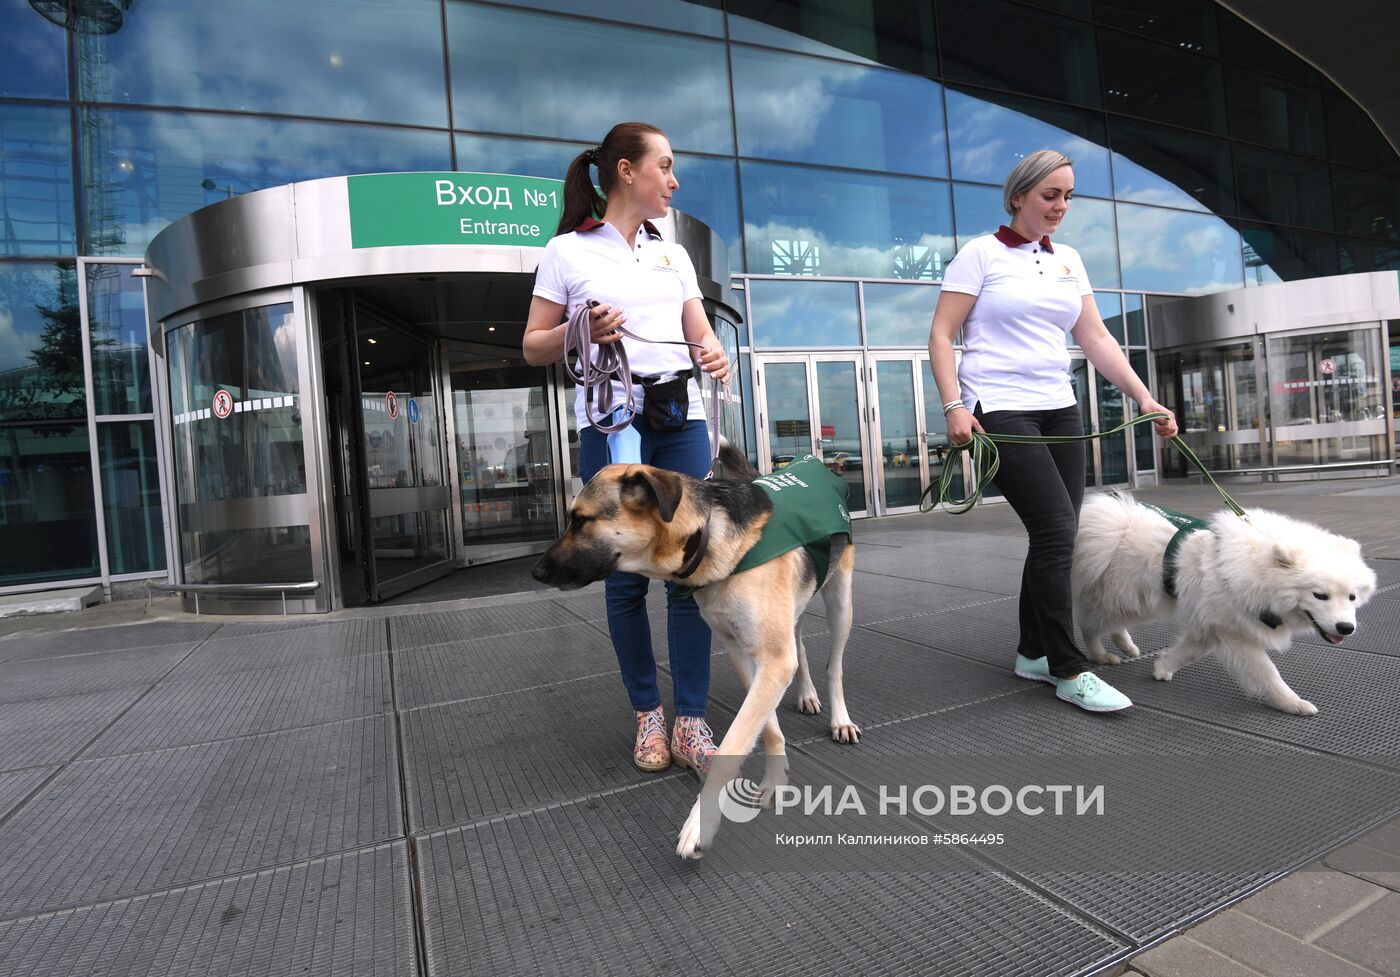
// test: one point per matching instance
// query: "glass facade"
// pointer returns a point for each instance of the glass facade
(861, 142)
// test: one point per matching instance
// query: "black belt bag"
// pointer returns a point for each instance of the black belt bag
(666, 400)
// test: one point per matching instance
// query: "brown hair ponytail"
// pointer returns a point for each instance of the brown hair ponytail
(626, 140)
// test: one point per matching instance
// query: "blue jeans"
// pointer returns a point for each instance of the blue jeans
(686, 451)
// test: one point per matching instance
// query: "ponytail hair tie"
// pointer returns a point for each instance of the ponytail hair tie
(593, 155)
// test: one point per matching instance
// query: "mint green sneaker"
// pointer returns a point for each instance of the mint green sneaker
(1090, 692)
(1035, 669)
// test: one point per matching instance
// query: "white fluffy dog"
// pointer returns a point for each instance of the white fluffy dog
(1242, 589)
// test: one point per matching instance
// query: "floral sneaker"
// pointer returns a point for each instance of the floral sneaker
(651, 752)
(692, 744)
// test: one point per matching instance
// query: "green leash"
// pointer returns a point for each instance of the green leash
(986, 459)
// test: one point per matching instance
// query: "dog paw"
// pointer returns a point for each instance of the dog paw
(845, 731)
(1161, 673)
(688, 844)
(1106, 658)
(809, 703)
(1300, 707)
(775, 776)
(1125, 644)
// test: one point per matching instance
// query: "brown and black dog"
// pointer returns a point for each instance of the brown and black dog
(660, 524)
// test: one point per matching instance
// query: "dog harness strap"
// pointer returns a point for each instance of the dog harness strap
(1186, 525)
(809, 506)
(695, 548)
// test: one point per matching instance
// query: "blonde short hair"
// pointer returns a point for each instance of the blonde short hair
(1030, 171)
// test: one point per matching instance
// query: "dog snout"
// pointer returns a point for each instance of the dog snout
(1345, 627)
(543, 569)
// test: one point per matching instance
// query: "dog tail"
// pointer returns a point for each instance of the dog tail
(734, 465)
(1105, 521)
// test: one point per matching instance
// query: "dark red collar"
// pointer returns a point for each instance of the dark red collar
(1011, 239)
(591, 223)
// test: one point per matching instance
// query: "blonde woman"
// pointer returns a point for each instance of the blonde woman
(1014, 294)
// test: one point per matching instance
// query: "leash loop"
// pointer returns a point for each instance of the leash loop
(598, 364)
(986, 460)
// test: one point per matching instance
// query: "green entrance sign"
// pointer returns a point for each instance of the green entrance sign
(392, 209)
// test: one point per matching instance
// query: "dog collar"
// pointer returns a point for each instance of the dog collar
(695, 548)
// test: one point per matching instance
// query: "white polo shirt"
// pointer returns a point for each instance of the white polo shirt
(1029, 295)
(649, 281)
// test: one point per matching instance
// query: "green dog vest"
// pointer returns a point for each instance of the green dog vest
(809, 507)
(1185, 526)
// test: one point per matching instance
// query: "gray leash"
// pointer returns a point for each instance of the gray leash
(611, 364)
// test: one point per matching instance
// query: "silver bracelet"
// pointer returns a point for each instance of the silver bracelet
(953, 405)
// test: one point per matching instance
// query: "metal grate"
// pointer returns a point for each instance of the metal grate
(469, 760)
(200, 709)
(89, 640)
(53, 730)
(109, 828)
(347, 914)
(595, 887)
(1253, 820)
(504, 663)
(47, 678)
(420, 630)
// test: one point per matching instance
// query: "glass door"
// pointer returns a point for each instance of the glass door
(815, 403)
(507, 454)
(407, 498)
(911, 431)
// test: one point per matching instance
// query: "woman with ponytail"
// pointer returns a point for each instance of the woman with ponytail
(607, 251)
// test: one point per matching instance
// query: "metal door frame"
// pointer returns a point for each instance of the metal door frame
(916, 360)
(810, 361)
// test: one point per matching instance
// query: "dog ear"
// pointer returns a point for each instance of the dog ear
(659, 486)
(1285, 556)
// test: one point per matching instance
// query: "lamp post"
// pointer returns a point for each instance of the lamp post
(209, 184)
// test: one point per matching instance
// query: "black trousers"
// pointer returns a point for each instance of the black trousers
(1045, 485)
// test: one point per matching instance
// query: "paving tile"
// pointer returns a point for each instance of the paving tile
(1265, 949)
(104, 829)
(1371, 937)
(1365, 862)
(1184, 957)
(346, 914)
(1304, 901)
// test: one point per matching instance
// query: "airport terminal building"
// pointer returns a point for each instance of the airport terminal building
(264, 267)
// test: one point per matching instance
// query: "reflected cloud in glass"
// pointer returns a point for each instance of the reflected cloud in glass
(899, 315)
(146, 169)
(709, 188)
(977, 211)
(375, 60)
(36, 181)
(816, 111)
(536, 74)
(35, 62)
(1173, 251)
(820, 315)
(807, 221)
(989, 139)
